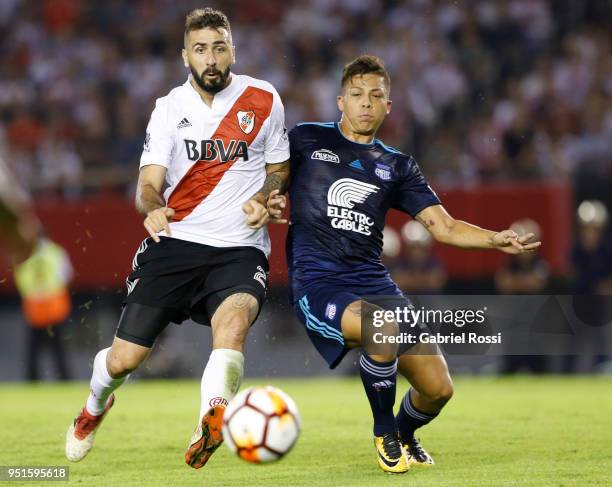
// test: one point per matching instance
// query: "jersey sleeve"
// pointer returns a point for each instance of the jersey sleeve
(413, 194)
(157, 148)
(294, 143)
(276, 145)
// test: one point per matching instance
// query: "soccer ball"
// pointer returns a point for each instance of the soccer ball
(261, 424)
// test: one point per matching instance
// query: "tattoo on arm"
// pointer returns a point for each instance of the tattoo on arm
(273, 181)
(276, 179)
(425, 223)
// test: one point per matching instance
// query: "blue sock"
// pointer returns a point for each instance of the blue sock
(410, 418)
(379, 383)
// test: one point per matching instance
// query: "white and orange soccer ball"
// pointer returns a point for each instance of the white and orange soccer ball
(261, 424)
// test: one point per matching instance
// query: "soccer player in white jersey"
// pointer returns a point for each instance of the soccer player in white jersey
(220, 144)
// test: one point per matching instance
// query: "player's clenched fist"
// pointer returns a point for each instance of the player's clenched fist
(257, 214)
(276, 204)
(158, 220)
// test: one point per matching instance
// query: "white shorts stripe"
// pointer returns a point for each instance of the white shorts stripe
(141, 249)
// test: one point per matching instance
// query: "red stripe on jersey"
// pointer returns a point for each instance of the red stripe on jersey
(203, 177)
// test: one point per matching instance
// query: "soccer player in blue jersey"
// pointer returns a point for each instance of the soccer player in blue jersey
(343, 181)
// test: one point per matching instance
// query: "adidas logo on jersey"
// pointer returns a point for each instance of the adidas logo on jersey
(356, 164)
(183, 123)
(342, 197)
(325, 156)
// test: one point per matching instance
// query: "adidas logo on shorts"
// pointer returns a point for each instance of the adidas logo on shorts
(183, 123)
(260, 276)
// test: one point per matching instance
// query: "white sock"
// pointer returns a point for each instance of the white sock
(102, 384)
(221, 378)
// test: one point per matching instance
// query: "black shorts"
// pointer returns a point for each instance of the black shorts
(190, 280)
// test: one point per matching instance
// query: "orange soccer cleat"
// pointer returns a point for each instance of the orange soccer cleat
(206, 438)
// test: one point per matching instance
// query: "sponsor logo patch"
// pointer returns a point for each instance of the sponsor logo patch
(246, 121)
(383, 172)
(216, 149)
(330, 311)
(325, 156)
(145, 146)
(342, 197)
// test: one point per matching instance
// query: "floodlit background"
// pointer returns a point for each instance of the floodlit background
(507, 106)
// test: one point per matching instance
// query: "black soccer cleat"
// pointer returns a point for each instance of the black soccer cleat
(417, 455)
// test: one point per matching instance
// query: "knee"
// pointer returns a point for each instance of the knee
(232, 332)
(384, 357)
(441, 394)
(231, 321)
(121, 364)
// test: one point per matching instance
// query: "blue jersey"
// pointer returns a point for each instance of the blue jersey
(340, 192)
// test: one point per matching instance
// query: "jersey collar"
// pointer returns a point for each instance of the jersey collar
(226, 93)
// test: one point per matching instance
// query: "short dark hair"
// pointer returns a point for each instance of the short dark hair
(365, 64)
(202, 18)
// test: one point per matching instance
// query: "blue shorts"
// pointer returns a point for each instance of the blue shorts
(320, 307)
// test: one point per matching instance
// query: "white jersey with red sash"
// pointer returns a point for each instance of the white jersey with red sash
(216, 157)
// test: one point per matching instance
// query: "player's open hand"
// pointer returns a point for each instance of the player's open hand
(257, 214)
(276, 204)
(158, 220)
(508, 241)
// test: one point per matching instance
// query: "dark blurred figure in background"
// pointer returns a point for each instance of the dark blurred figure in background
(42, 280)
(18, 224)
(592, 255)
(591, 271)
(418, 271)
(524, 274)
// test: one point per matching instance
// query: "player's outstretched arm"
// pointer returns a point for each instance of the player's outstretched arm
(149, 200)
(445, 229)
(266, 205)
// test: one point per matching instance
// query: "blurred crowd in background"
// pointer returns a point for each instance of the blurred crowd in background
(482, 91)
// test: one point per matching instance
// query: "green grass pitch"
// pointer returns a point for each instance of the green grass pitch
(552, 431)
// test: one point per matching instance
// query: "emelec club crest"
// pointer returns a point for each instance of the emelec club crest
(246, 121)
